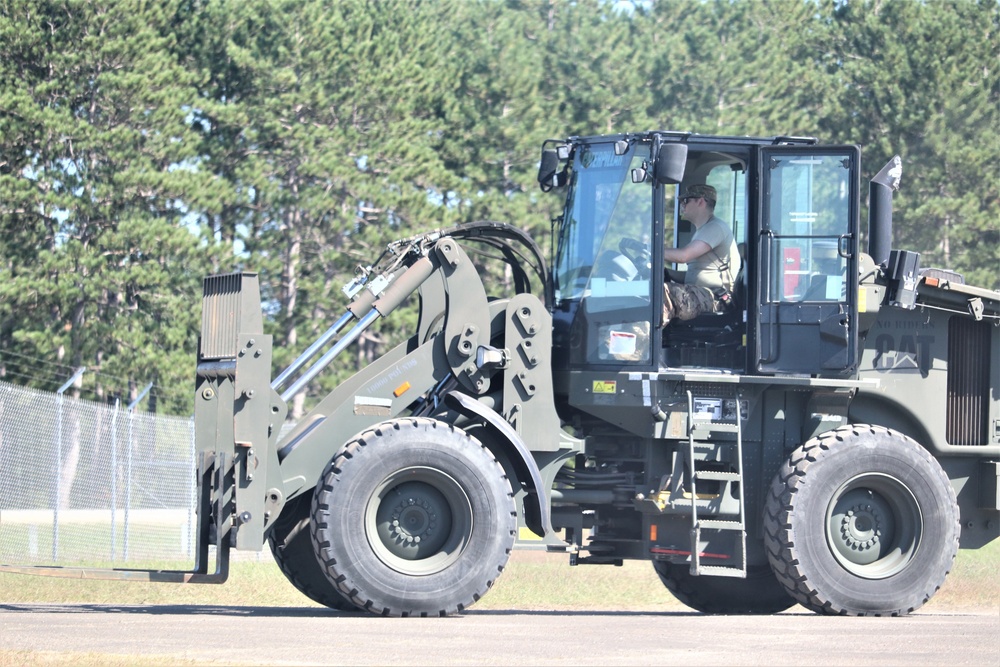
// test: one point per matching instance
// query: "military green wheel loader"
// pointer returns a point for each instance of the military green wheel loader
(831, 439)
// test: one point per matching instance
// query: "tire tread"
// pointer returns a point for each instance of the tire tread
(780, 535)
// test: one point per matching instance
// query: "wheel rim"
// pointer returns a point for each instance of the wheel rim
(418, 521)
(873, 526)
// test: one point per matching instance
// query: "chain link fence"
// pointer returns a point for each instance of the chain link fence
(84, 483)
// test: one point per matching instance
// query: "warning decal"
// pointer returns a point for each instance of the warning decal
(605, 386)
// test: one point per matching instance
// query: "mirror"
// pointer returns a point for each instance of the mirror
(670, 163)
(548, 166)
(548, 175)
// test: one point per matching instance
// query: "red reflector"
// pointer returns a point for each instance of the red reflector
(678, 552)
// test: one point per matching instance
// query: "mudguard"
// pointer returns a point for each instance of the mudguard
(538, 516)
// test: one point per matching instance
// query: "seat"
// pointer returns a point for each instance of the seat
(725, 328)
(716, 329)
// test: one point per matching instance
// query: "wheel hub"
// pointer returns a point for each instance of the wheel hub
(861, 527)
(413, 520)
(418, 521)
(873, 526)
(408, 520)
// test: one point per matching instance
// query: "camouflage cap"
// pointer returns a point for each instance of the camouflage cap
(706, 191)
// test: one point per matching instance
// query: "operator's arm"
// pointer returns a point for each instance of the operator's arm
(691, 251)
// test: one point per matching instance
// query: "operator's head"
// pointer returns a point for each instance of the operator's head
(706, 192)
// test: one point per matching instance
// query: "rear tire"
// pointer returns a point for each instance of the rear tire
(291, 546)
(759, 593)
(413, 518)
(861, 521)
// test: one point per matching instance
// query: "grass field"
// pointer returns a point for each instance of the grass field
(532, 581)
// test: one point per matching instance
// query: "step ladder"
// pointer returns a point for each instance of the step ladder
(701, 434)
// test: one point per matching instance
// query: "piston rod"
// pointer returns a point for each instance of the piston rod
(393, 295)
(325, 360)
(312, 350)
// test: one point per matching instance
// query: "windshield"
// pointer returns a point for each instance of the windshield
(604, 207)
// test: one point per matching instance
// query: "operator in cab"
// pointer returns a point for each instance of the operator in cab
(712, 259)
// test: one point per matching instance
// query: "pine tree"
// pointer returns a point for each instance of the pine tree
(96, 146)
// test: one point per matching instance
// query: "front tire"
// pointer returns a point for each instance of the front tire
(759, 593)
(413, 518)
(861, 521)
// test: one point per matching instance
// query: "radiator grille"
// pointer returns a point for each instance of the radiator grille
(220, 312)
(968, 382)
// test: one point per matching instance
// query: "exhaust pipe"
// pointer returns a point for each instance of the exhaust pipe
(880, 210)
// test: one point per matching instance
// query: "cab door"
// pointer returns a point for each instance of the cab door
(807, 261)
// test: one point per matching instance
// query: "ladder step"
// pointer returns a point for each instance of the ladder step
(720, 445)
(713, 427)
(719, 476)
(722, 571)
(717, 524)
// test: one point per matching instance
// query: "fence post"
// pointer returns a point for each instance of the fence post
(58, 463)
(128, 464)
(114, 476)
(192, 492)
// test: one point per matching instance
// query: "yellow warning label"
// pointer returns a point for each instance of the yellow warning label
(525, 534)
(605, 386)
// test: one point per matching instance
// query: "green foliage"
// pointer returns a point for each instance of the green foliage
(920, 80)
(97, 264)
(143, 145)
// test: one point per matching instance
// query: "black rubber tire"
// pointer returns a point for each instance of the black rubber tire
(413, 518)
(759, 593)
(861, 521)
(291, 546)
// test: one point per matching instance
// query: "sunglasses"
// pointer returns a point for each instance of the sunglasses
(684, 200)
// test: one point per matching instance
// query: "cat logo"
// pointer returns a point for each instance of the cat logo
(906, 352)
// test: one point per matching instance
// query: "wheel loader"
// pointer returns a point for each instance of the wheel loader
(829, 438)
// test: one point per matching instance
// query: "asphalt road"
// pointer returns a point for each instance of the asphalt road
(304, 636)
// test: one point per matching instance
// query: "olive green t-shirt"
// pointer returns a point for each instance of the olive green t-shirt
(717, 268)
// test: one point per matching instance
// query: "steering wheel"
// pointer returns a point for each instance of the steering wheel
(638, 253)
